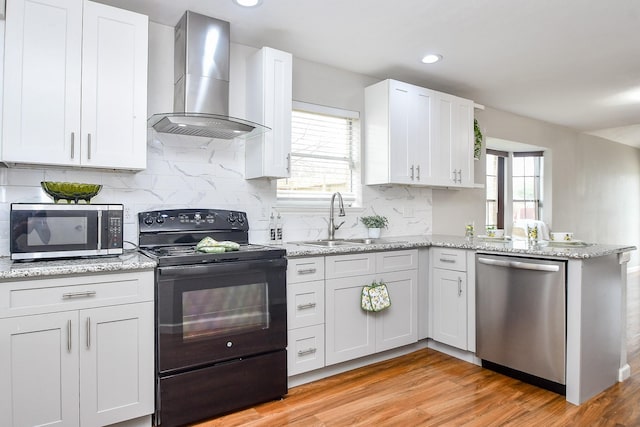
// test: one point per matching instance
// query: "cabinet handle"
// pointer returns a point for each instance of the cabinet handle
(447, 260)
(307, 351)
(289, 163)
(306, 306)
(88, 333)
(307, 271)
(73, 145)
(69, 295)
(411, 172)
(418, 172)
(89, 146)
(69, 336)
(459, 176)
(459, 286)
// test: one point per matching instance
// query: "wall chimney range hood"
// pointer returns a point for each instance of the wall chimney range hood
(201, 83)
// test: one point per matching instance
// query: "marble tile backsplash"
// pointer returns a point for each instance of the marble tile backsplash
(200, 173)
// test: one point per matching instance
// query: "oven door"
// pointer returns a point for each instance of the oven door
(217, 312)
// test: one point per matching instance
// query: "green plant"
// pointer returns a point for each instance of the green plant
(375, 221)
(477, 144)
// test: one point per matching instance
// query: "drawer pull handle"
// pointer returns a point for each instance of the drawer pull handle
(447, 260)
(69, 295)
(306, 306)
(307, 271)
(307, 351)
(69, 336)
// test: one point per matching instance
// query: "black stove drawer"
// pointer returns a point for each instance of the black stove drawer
(208, 392)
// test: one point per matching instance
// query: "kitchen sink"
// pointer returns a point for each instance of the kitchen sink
(344, 242)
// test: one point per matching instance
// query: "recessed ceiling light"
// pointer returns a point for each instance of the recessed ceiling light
(431, 58)
(248, 3)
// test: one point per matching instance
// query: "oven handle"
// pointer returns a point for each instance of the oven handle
(222, 267)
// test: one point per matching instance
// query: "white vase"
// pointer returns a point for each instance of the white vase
(374, 233)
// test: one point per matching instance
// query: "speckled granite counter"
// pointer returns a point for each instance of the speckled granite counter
(132, 260)
(515, 247)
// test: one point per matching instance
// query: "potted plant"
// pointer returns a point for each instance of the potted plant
(374, 223)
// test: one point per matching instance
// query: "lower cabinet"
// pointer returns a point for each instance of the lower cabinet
(78, 367)
(352, 332)
(448, 306)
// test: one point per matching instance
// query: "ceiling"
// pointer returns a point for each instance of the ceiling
(575, 63)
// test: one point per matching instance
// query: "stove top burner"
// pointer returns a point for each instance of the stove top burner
(170, 236)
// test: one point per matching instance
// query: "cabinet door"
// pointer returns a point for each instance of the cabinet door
(269, 91)
(453, 141)
(350, 331)
(39, 370)
(398, 324)
(409, 136)
(114, 87)
(116, 363)
(305, 349)
(42, 77)
(449, 307)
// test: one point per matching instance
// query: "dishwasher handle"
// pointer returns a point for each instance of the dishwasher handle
(520, 265)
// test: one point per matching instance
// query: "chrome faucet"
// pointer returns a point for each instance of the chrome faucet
(332, 226)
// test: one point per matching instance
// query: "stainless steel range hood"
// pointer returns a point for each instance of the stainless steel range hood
(201, 78)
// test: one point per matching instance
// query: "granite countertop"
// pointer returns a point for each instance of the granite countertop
(130, 260)
(517, 247)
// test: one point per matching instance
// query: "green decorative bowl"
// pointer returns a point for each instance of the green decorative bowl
(70, 191)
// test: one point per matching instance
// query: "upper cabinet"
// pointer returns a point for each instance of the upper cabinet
(269, 101)
(75, 85)
(417, 136)
(397, 133)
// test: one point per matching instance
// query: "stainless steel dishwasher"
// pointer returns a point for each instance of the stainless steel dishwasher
(521, 318)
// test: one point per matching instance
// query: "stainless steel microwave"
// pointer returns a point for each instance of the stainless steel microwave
(43, 231)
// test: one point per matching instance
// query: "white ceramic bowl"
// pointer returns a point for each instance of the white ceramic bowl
(561, 236)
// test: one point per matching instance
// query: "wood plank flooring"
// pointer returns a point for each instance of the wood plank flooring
(428, 388)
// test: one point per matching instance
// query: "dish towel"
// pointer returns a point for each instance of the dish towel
(375, 297)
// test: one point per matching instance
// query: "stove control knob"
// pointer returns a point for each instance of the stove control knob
(148, 220)
(232, 217)
(160, 219)
(241, 218)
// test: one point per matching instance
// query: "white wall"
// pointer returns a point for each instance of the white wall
(595, 186)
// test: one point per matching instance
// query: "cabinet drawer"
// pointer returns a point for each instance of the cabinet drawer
(305, 269)
(305, 304)
(72, 293)
(306, 349)
(350, 265)
(396, 261)
(449, 259)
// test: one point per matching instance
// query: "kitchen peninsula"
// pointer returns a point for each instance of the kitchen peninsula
(595, 295)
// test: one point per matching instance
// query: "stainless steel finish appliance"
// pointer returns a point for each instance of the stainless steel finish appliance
(221, 319)
(201, 76)
(521, 317)
(48, 230)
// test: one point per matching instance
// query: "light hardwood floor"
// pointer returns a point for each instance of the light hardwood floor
(428, 388)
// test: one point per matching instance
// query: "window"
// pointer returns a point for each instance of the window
(514, 187)
(495, 188)
(324, 154)
(527, 194)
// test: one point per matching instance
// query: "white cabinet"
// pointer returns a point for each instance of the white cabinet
(352, 332)
(417, 136)
(269, 101)
(397, 133)
(448, 297)
(77, 350)
(75, 85)
(452, 141)
(305, 314)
